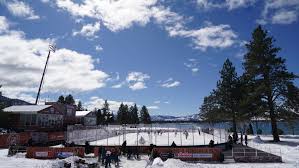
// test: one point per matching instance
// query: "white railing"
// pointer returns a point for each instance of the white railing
(268, 149)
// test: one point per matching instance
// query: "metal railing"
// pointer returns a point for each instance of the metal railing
(181, 134)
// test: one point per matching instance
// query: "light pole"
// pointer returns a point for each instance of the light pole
(52, 48)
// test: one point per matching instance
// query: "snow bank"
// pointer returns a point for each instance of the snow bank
(158, 162)
(257, 139)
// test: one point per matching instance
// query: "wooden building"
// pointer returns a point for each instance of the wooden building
(68, 111)
(34, 117)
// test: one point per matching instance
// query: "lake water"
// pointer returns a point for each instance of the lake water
(265, 126)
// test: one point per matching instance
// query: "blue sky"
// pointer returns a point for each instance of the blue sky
(163, 54)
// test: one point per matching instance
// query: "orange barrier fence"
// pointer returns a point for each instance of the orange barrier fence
(22, 138)
(185, 154)
(190, 154)
(56, 136)
(14, 138)
(52, 153)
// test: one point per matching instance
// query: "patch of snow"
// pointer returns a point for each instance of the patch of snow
(158, 162)
(257, 139)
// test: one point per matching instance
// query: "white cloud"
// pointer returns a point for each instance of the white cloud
(4, 25)
(157, 102)
(215, 36)
(279, 12)
(115, 15)
(22, 61)
(88, 30)
(229, 4)
(96, 102)
(21, 9)
(118, 15)
(169, 83)
(98, 48)
(284, 17)
(194, 70)
(136, 80)
(45, 1)
(153, 107)
(192, 64)
(117, 86)
(137, 86)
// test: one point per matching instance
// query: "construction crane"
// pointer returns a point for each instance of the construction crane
(52, 48)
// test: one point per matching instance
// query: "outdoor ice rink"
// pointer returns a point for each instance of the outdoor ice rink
(164, 139)
(144, 136)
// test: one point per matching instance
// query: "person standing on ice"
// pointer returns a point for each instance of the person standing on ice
(186, 134)
(124, 147)
(241, 138)
(230, 141)
(246, 140)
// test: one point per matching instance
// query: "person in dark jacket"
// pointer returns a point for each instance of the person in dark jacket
(87, 147)
(114, 156)
(103, 153)
(211, 144)
(230, 142)
(241, 138)
(124, 147)
(235, 138)
(129, 152)
(100, 154)
(108, 159)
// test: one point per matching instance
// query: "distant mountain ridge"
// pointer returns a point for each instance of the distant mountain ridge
(193, 117)
(10, 102)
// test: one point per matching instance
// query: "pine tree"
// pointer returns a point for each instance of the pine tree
(61, 99)
(130, 116)
(272, 81)
(135, 115)
(125, 117)
(100, 117)
(106, 112)
(209, 110)
(121, 114)
(79, 106)
(228, 93)
(69, 100)
(111, 118)
(228, 101)
(144, 116)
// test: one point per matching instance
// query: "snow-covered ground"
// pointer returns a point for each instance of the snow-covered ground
(289, 148)
(165, 139)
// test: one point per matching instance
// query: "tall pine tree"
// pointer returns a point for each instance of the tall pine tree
(228, 93)
(227, 100)
(144, 116)
(272, 81)
(79, 106)
(69, 99)
(106, 112)
(61, 99)
(134, 114)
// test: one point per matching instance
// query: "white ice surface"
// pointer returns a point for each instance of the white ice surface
(161, 140)
(289, 148)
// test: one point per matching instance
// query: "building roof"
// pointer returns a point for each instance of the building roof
(26, 108)
(81, 113)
